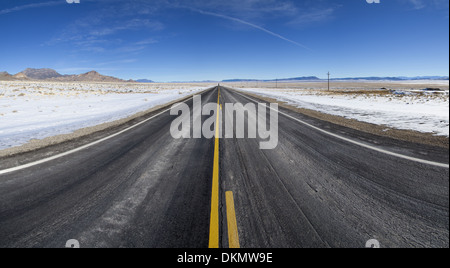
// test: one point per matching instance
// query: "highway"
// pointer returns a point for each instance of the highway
(323, 186)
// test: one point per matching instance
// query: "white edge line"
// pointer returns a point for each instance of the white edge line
(418, 160)
(9, 170)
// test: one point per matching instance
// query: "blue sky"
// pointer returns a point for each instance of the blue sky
(186, 40)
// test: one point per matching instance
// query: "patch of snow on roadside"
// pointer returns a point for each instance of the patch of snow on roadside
(40, 110)
(427, 112)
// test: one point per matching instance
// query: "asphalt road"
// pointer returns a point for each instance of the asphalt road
(143, 188)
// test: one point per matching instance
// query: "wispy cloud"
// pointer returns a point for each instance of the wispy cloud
(102, 32)
(244, 9)
(31, 6)
(133, 24)
(148, 41)
(93, 32)
(116, 62)
(313, 16)
(434, 4)
(257, 13)
(251, 25)
(417, 4)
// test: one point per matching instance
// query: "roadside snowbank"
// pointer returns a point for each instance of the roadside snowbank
(426, 112)
(40, 110)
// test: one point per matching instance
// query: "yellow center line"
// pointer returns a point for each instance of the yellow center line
(233, 235)
(214, 220)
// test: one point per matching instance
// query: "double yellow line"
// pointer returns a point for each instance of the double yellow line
(233, 236)
(214, 220)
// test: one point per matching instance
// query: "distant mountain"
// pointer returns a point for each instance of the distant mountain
(39, 74)
(303, 78)
(20, 76)
(4, 76)
(144, 81)
(91, 76)
(425, 78)
(240, 80)
(397, 78)
(52, 75)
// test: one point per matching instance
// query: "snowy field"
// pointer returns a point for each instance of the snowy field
(413, 109)
(39, 110)
(424, 82)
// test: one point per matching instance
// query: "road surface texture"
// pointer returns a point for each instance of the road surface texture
(143, 188)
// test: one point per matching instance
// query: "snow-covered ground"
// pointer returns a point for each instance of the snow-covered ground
(430, 83)
(421, 111)
(39, 110)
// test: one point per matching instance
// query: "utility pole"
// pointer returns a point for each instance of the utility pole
(328, 81)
